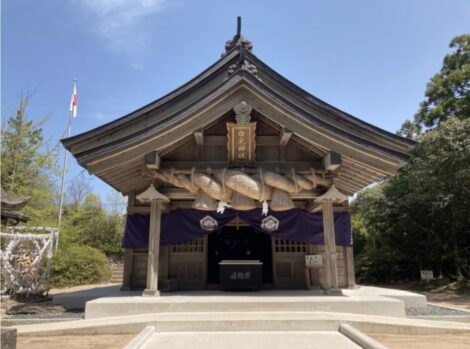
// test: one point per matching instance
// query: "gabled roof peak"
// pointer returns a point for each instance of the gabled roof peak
(240, 45)
(238, 40)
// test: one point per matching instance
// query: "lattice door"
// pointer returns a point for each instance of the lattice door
(288, 264)
(187, 264)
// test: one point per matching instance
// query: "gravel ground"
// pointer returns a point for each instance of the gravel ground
(430, 310)
(434, 310)
(72, 313)
(74, 342)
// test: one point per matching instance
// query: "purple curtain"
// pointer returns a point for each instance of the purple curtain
(182, 225)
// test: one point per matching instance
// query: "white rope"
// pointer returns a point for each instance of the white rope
(222, 205)
(294, 178)
(262, 183)
(192, 177)
(223, 181)
(314, 178)
(265, 207)
(172, 175)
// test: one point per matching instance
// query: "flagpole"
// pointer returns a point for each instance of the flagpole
(64, 172)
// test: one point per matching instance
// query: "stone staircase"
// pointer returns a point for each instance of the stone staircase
(259, 320)
(117, 270)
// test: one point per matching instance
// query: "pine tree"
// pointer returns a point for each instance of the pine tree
(27, 168)
(447, 93)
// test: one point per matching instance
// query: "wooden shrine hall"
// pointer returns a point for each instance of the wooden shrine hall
(238, 179)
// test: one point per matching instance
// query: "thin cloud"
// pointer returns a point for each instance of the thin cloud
(101, 117)
(117, 21)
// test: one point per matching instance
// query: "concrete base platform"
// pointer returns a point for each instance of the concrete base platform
(265, 319)
(411, 299)
(246, 321)
(364, 300)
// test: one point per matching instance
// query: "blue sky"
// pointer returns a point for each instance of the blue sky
(371, 58)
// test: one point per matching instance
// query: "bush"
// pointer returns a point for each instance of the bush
(78, 265)
(378, 266)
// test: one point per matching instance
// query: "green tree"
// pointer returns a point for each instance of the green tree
(94, 226)
(410, 130)
(418, 219)
(438, 192)
(448, 92)
(27, 168)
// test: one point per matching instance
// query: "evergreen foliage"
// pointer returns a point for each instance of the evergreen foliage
(448, 92)
(88, 231)
(419, 219)
(27, 168)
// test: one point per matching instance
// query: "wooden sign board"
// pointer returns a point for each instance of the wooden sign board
(241, 143)
(313, 260)
(427, 275)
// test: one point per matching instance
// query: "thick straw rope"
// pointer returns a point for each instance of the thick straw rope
(294, 178)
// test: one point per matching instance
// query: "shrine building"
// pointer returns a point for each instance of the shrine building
(238, 180)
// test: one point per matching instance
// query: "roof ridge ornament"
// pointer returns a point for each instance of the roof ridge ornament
(245, 45)
(245, 65)
(238, 39)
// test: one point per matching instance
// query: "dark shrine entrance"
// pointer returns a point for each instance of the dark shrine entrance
(238, 243)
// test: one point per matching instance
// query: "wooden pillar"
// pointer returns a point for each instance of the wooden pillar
(155, 198)
(330, 245)
(326, 201)
(154, 249)
(349, 261)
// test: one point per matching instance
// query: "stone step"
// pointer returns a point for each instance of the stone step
(302, 302)
(249, 340)
(244, 322)
(117, 273)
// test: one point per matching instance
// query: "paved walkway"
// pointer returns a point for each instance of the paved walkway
(251, 340)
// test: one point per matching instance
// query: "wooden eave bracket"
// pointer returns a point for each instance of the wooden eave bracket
(152, 160)
(332, 161)
(284, 137)
(199, 137)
